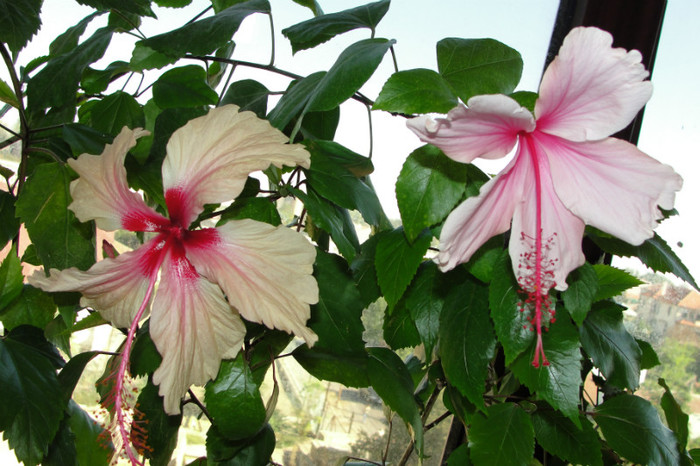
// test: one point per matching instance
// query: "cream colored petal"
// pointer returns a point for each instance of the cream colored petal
(265, 271)
(101, 193)
(114, 287)
(194, 328)
(209, 159)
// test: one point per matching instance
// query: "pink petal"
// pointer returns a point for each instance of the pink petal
(561, 231)
(193, 327)
(591, 90)
(209, 159)
(480, 218)
(612, 185)
(101, 193)
(114, 287)
(265, 271)
(488, 128)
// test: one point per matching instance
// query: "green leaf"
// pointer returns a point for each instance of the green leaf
(312, 5)
(613, 281)
(60, 240)
(70, 374)
(95, 81)
(336, 183)
(631, 426)
(502, 437)
(145, 58)
(20, 21)
(295, 100)
(654, 252)
(248, 94)
(397, 262)
(315, 31)
(676, 419)
(320, 125)
(332, 219)
(11, 280)
(579, 296)
(478, 66)
(526, 99)
(7, 95)
(351, 70)
(31, 406)
(649, 357)
(467, 339)
(185, 86)
(62, 448)
(459, 456)
(559, 436)
(512, 326)
(695, 454)
(67, 41)
(159, 429)
(558, 383)
(349, 370)
(416, 91)
(255, 451)
(428, 187)
(261, 355)
(138, 7)
(399, 329)
(203, 37)
(392, 382)
(357, 164)
(57, 83)
(173, 3)
(364, 272)
(32, 307)
(425, 300)
(145, 358)
(484, 260)
(84, 139)
(613, 350)
(234, 391)
(336, 319)
(120, 21)
(9, 224)
(257, 208)
(116, 111)
(90, 445)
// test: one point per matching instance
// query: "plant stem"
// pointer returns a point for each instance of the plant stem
(23, 129)
(193, 399)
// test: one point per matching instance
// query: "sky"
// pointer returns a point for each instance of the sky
(670, 132)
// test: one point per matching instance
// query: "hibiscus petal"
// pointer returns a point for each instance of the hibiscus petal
(480, 218)
(209, 159)
(265, 271)
(591, 90)
(193, 328)
(562, 231)
(101, 193)
(612, 185)
(114, 287)
(488, 128)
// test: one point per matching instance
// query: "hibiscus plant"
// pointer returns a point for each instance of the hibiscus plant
(239, 201)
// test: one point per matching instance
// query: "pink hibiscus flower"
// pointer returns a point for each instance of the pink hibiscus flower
(566, 172)
(199, 279)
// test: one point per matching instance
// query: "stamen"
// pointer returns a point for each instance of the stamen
(536, 267)
(127, 424)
